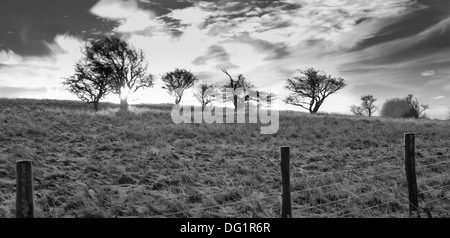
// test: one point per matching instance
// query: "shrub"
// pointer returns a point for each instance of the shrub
(395, 108)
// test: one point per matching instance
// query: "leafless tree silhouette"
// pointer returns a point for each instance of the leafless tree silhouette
(206, 94)
(367, 106)
(240, 83)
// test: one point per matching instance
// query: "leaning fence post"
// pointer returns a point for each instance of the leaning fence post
(410, 167)
(24, 189)
(285, 178)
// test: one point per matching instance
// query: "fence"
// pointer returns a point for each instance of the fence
(308, 195)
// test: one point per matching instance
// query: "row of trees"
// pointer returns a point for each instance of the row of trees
(406, 107)
(110, 65)
(312, 87)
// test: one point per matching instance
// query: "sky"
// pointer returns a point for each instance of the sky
(387, 48)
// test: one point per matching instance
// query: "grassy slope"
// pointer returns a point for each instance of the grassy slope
(103, 165)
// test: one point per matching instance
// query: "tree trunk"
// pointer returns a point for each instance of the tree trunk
(311, 110)
(235, 102)
(95, 106)
(124, 104)
(316, 107)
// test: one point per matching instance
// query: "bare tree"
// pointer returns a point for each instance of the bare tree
(367, 106)
(310, 90)
(206, 94)
(416, 110)
(357, 110)
(177, 81)
(126, 66)
(235, 84)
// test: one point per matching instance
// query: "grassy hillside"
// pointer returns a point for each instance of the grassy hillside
(143, 165)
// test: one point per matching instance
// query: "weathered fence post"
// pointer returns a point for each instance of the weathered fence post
(410, 167)
(24, 189)
(285, 178)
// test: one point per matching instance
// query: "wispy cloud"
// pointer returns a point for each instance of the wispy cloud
(22, 92)
(428, 73)
(32, 74)
(219, 55)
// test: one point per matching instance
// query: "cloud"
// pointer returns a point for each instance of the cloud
(130, 16)
(194, 15)
(438, 97)
(115, 9)
(428, 73)
(21, 92)
(421, 15)
(34, 72)
(26, 27)
(8, 57)
(274, 50)
(216, 54)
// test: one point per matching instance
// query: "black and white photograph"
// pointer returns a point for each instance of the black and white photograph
(233, 109)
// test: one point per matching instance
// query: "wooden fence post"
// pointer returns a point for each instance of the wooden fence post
(410, 167)
(24, 189)
(285, 178)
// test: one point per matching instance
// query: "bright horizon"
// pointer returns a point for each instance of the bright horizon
(387, 48)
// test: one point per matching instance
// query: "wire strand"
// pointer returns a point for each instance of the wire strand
(341, 172)
(220, 205)
(434, 189)
(355, 180)
(426, 165)
(348, 198)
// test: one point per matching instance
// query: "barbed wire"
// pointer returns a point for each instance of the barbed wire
(209, 207)
(324, 161)
(395, 200)
(273, 183)
(221, 192)
(348, 198)
(172, 198)
(437, 176)
(242, 187)
(426, 165)
(386, 203)
(355, 180)
(339, 172)
(434, 189)
(390, 201)
(422, 158)
(434, 200)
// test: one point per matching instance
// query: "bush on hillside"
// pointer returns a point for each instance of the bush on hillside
(395, 108)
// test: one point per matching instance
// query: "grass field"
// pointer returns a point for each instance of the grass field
(90, 164)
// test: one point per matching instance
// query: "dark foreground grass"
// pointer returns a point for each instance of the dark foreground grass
(142, 165)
